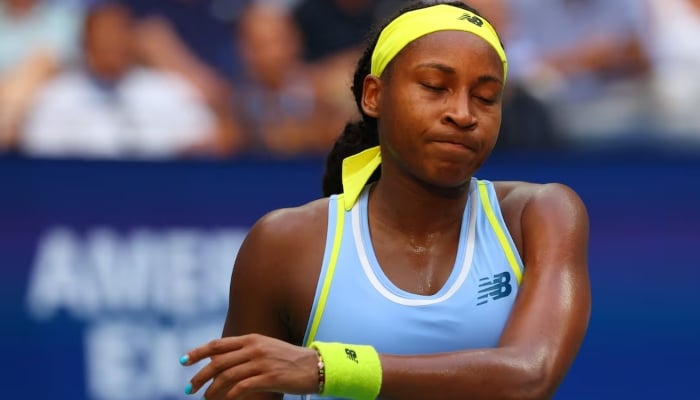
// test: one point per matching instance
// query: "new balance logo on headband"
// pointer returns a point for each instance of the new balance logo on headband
(496, 288)
(473, 19)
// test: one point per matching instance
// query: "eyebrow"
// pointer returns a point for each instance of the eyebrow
(438, 66)
(489, 78)
(449, 70)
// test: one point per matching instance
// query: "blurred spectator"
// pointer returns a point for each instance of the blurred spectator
(203, 27)
(672, 39)
(330, 26)
(333, 34)
(278, 103)
(36, 38)
(109, 106)
(187, 37)
(193, 39)
(584, 59)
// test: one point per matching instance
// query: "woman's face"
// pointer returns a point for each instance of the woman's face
(438, 106)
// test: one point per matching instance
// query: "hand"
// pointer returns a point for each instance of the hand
(241, 365)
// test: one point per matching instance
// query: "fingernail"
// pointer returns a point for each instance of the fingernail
(188, 388)
(184, 359)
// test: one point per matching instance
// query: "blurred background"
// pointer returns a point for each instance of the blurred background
(140, 139)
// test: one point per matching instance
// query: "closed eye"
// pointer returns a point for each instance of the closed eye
(487, 100)
(433, 87)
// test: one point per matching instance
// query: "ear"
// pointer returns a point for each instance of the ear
(371, 88)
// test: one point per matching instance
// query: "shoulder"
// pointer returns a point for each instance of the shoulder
(292, 224)
(534, 209)
(274, 276)
(70, 83)
(146, 77)
(152, 89)
(286, 237)
(63, 96)
(533, 196)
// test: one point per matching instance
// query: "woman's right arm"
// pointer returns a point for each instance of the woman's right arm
(273, 269)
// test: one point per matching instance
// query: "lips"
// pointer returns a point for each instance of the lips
(457, 140)
(452, 148)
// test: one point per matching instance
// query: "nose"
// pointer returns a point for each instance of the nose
(458, 112)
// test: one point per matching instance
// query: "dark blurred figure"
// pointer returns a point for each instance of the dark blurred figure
(110, 106)
(331, 26)
(278, 103)
(333, 34)
(527, 123)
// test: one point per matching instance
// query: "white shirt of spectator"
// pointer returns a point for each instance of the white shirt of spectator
(150, 114)
(673, 41)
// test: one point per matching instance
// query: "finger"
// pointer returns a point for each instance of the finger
(248, 386)
(217, 368)
(260, 375)
(211, 349)
(232, 377)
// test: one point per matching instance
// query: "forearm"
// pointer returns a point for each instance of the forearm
(18, 88)
(502, 373)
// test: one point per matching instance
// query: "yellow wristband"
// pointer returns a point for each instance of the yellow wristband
(351, 371)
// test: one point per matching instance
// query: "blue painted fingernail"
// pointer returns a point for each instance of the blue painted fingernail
(184, 359)
(188, 388)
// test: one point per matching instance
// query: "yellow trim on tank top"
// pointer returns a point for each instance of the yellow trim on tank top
(330, 270)
(338, 236)
(499, 230)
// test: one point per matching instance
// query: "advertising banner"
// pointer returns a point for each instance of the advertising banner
(111, 270)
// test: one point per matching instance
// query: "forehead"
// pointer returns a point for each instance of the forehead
(453, 48)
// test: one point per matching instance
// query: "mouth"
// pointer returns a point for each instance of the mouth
(452, 150)
(454, 145)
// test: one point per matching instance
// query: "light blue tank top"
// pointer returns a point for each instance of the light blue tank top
(355, 302)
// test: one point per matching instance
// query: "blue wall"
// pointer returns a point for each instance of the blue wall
(78, 321)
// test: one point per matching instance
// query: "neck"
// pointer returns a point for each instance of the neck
(417, 210)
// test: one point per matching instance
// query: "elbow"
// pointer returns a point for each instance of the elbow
(536, 385)
(539, 381)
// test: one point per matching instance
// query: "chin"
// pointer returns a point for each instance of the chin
(450, 177)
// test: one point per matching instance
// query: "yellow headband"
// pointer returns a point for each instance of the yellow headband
(415, 24)
(408, 27)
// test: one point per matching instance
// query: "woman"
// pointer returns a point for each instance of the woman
(419, 281)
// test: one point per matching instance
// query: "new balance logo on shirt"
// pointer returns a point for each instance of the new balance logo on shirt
(494, 289)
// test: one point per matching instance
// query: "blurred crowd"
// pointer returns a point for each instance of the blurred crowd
(147, 79)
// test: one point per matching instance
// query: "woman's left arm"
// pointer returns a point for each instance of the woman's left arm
(546, 327)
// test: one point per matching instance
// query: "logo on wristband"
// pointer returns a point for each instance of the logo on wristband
(352, 356)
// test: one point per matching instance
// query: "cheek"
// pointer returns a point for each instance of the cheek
(401, 117)
(490, 124)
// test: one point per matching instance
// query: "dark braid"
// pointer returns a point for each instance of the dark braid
(360, 135)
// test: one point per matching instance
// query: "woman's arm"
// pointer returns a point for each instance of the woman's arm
(279, 259)
(546, 327)
(538, 345)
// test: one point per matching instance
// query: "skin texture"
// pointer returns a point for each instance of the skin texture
(439, 110)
